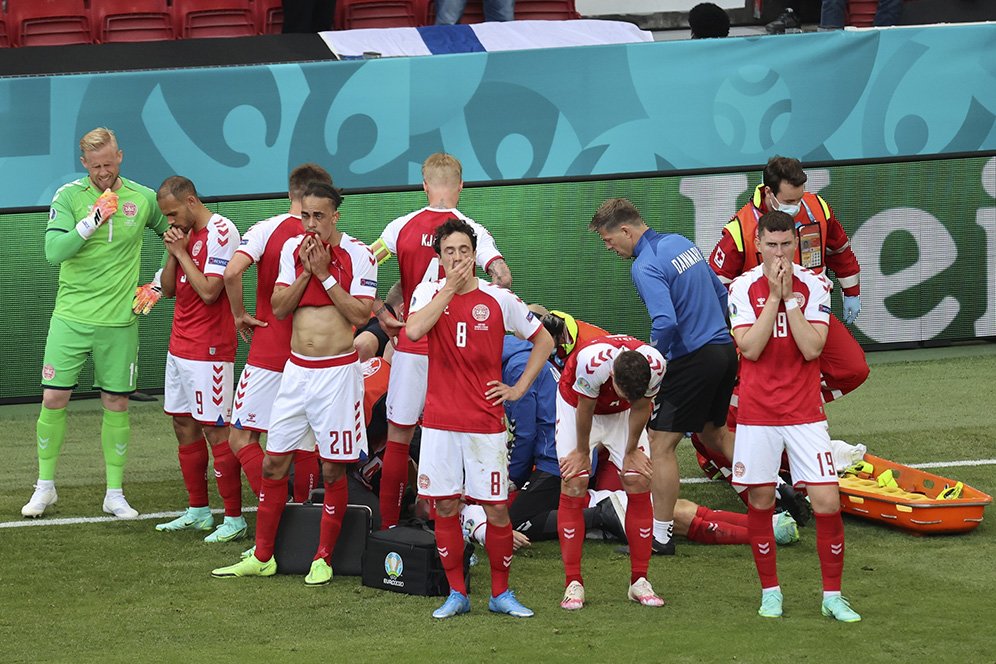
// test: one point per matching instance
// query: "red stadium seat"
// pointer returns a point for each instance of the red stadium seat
(861, 13)
(193, 19)
(545, 10)
(351, 14)
(269, 16)
(130, 21)
(48, 22)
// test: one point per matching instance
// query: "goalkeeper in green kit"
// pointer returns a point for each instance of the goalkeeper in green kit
(94, 234)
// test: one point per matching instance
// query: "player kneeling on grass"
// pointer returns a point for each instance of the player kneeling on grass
(328, 280)
(201, 357)
(779, 313)
(463, 448)
(605, 398)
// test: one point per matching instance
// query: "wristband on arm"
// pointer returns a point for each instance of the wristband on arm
(329, 283)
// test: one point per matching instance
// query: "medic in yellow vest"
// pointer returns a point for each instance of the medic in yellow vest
(823, 244)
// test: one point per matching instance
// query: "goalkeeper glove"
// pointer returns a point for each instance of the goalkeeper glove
(103, 209)
(146, 297)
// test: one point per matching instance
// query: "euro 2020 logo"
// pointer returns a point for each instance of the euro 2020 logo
(394, 566)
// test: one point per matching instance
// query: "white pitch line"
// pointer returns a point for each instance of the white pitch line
(27, 523)
(162, 515)
(952, 464)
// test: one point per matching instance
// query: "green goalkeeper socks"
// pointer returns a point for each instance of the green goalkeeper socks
(115, 431)
(51, 432)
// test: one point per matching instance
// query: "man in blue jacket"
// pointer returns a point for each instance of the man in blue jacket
(687, 306)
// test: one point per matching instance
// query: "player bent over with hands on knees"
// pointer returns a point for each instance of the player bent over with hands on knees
(463, 448)
(780, 313)
(94, 234)
(605, 398)
(327, 280)
(201, 358)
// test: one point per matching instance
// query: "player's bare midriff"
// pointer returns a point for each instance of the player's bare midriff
(321, 332)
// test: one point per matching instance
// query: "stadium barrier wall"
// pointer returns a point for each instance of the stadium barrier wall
(924, 232)
(552, 113)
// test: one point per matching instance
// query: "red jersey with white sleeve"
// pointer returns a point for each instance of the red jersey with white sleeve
(780, 387)
(205, 331)
(589, 369)
(352, 264)
(262, 243)
(465, 348)
(410, 238)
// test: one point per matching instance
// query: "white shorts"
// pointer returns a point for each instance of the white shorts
(200, 389)
(454, 463)
(406, 388)
(254, 395)
(611, 431)
(324, 396)
(757, 454)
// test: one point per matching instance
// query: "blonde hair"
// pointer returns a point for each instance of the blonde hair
(441, 169)
(96, 139)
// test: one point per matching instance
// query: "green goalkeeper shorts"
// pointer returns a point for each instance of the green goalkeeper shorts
(114, 351)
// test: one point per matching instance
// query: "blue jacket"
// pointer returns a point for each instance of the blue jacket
(533, 417)
(686, 301)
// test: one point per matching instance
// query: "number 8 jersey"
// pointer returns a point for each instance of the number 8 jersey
(780, 387)
(465, 348)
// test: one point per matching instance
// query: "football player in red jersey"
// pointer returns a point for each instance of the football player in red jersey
(463, 449)
(411, 238)
(328, 281)
(270, 348)
(201, 358)
(780, 312)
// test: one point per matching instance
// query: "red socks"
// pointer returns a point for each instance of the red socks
(272, 498)
(449, 544)
(719, 516)
(251, 459)
(229, 477)
(193, 467)
(306, 474)
(498, 543)
(393, 478)
(717, 532)
(336, 497)
(762, 544)
(639, 533)
(570, 530)
(830, 546)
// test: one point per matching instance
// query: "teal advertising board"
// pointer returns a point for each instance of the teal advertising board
(555, 113)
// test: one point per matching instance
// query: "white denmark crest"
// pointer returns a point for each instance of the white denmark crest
(481, 312)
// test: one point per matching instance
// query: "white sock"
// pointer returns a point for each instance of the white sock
(771, 589)
(827, 594)
(115, 492)
(45, 484)
(595, 497)
(663, 530)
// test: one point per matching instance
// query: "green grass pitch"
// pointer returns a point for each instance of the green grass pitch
(121, 592)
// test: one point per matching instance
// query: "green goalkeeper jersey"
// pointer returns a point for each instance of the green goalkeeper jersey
(97, 284)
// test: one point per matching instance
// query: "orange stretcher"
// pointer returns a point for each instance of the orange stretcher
(910, 498)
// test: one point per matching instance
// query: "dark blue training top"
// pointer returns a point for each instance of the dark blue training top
(533, 417)
(686, 301)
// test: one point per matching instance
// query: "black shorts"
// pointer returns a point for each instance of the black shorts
(696, 389)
